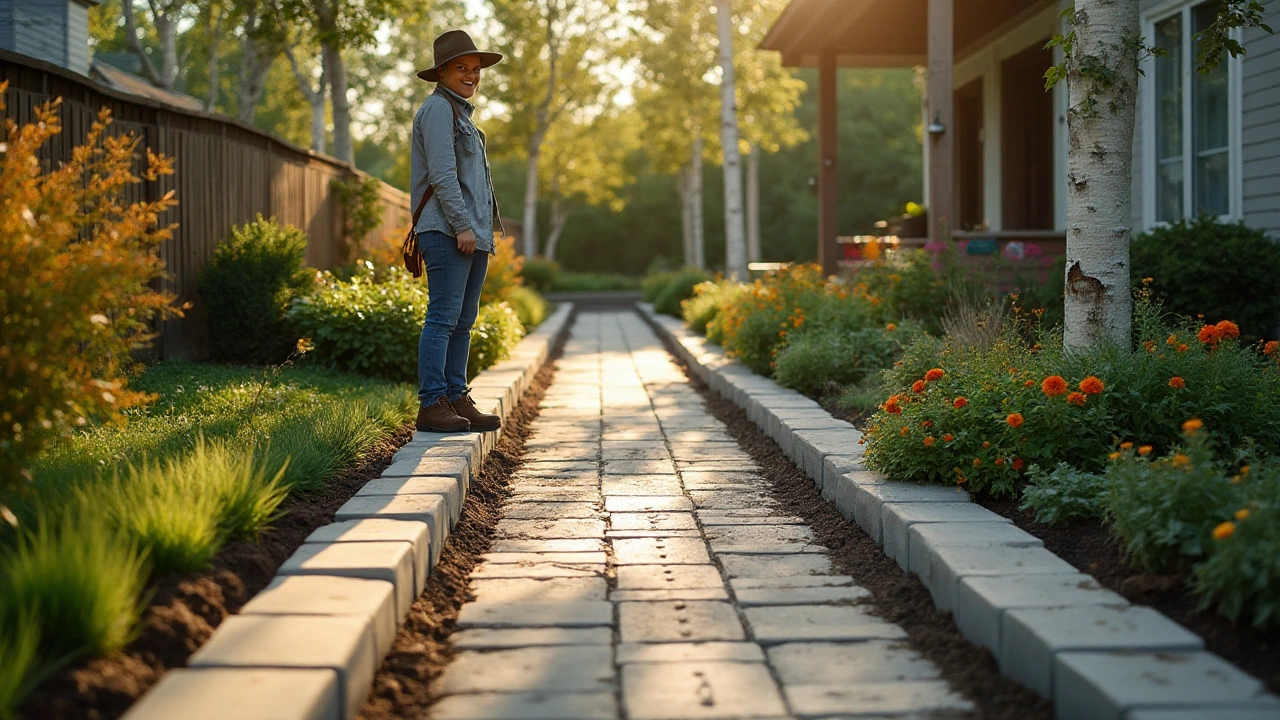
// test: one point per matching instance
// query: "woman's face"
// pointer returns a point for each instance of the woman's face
(462, 75)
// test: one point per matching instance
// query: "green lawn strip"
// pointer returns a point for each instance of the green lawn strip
(209, 461)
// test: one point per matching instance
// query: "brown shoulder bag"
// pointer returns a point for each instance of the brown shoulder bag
(412, 254)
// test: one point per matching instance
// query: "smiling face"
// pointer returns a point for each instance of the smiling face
(462, 75)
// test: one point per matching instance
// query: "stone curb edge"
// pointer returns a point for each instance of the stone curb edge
(1051, 628)
(308, 645)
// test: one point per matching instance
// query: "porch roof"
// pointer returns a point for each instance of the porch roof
(885, 33)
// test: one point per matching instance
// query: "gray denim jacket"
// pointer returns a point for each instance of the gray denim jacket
(452, 160)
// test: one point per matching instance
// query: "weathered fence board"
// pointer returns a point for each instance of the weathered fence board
(226, 173)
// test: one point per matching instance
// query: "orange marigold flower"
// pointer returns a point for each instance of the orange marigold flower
(1244, 470)
(891, 406)
(986, 445)
(928, 442)
(1019, 463)
(1144, 450)
(1114, 455)
(1173, 340)
(1014, 420)
(1029, 383)
(977, 462)
(926, 424)
(917, 386)
(934, 374)
(1242, 514)
(1177, 382)
(1150, 346)
(1180, 460)
(1184, 347)
(905, 430)
(960, 402)
(1271, 348)
(890, 327)
(1053, 386)
(1191, 426)
(1227, 330)
(1076, 398)
(1091, 386)
(961, 480)
(1126, 445)
(948, 437)
(999, 461)
(1208, 335)
(1224, 530)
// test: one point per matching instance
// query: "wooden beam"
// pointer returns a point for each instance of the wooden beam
(940, 93)
(828, 249)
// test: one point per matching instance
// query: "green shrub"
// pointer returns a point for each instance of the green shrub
(1204, 267)
(1064, 495)
(79, 577)
(363, 326)
(916, 285)
(652, 285)
(530, 307)
(1241, 576)
(504, 272)
(361, 201)
(496, 331)
(708, 299)
(677, 290)
(826, 358)
(593, 282)
(540, 273)
(247, 287)
(760, 322)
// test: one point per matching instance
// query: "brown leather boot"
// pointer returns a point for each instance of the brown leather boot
(466, 407)
(440, 417)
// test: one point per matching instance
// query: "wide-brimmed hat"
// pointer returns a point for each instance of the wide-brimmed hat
(455, 44)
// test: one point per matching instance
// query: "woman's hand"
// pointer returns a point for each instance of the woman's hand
(466, 242)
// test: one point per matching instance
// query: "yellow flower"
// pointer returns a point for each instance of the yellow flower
(1242, 514)
(1224, 530)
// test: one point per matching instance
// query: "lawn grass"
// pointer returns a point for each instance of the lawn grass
(209, 461)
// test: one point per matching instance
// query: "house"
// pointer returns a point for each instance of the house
(996, 147)
(56, 31)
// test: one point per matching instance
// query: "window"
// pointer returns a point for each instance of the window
(1192, 121)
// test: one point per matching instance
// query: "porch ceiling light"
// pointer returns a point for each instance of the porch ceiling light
(936, 127)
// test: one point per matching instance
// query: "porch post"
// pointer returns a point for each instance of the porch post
(940, 93)
(828, 248)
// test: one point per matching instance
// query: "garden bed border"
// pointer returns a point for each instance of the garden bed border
(1050, 627)
(308, 645)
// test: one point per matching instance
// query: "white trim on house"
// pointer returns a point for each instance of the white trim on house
(1145, 160)
(985, 63)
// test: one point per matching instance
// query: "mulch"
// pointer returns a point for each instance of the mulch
(897, 596)
(1092, 548)
(185, 609)
(402, 686)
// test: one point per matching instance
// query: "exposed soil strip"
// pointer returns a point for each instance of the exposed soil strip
(896, 595)
(1091, 547)
(402, 687)
(185, 609)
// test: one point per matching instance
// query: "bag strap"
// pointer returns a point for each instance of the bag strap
(422, 204)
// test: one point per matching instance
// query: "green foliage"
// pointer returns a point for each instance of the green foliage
(1204, 267)
(652, 285)
(530, 307)
(364, 326)
(247, 287)
(828, 357)
(1064, 495)
(496, 331)
(361, 202)
(593, 282)
(1241, 576)
(676, 290)
(915, 285)
(79, 578)
(22, 668)
(540, 273)
(708, 299)
(758, 326)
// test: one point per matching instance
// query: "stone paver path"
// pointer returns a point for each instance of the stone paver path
(641, 571)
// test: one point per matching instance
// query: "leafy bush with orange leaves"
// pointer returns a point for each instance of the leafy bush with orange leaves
(504, 271)
(76, 260)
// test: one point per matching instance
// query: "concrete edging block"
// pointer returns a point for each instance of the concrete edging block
(326, 595)
(391, 561)
(242, 693)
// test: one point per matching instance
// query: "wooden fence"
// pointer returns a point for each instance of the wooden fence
(225, 174)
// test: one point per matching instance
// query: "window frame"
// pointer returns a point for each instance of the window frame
(1148, 106)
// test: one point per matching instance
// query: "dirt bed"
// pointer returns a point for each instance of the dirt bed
(185, 609)
(1091, 548)
(402, 687)
(896, 595)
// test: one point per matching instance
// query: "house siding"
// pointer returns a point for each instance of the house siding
(78, 38)
(1260, 125)
(36, 28)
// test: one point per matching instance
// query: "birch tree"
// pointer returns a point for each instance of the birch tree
(165, 18)
(584, 164)
(735, 240)
(1103, 49)
(263, 34)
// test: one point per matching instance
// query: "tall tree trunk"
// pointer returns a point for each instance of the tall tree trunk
(257, 54)
(211, 102)
(753, 204)
(314, 97)
(529, 225)
(686, 216)
(163, 20)
(1100, 124)
(343, 148)
(695, 205)
(559, 218)
(735, 239)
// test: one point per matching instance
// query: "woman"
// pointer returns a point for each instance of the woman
(455, 231)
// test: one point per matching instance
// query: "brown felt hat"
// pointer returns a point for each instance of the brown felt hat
(455, 44)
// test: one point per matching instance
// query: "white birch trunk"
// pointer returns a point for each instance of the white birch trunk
(529, 227)
(314, 97)
(1100, 125)
(695, 206)
(559, 218)
(753, 204)
(686, 217)
(735, 241)
(343, 148)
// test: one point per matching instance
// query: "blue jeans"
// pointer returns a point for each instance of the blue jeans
(454, 280)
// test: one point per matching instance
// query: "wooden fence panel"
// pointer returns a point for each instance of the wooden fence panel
(225, 174)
